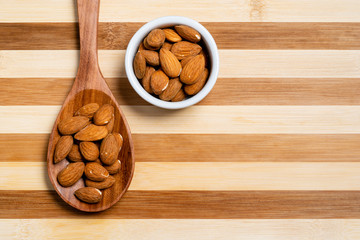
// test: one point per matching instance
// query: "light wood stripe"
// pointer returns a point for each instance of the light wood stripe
(227, 91)
(230, 176)
(203, 119)
(191, 204)
(214, 10)
(255, 63)
(228, 35)
(208, 147)
(296, 229)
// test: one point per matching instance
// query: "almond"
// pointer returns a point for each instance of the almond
(88, 110)
(110, 125)
(108, 182)
(179, 96)
(173, 88)
(89, 194)
(146, 80)
(63, 148)
(159, 82)
(169, 63)
(188, 33)
(71, 174)
(186, 60)
(151, 57)
(167, 46)
(95, 172)
(74, 154)
(72, 125)
(91, 133)
(139, 65)
(192, 70)
(171, 35)
(200, 83)
(141, 47)
(104, 114)
(119, 140)
(183, 49)
(89, 150)
(156, 38)
(109, 150)
(113, 168)
(147, 46)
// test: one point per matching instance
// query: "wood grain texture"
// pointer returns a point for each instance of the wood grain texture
(192, 204)
(214, 10)
(258, 64)
(208, 147)
(208, 176)
(227, 91)
(204, 119)
(192, 229)
(228, 35)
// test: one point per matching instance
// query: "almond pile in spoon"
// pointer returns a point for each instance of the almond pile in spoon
(171, 63)
(91, 146)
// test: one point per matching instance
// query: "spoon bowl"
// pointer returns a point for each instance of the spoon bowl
(90, 87)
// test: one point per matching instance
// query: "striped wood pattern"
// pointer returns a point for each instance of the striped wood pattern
(271, 153)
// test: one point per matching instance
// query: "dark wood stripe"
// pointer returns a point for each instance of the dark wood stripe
(208, 148)
(192, 204)
(227, 91)
(228, 35)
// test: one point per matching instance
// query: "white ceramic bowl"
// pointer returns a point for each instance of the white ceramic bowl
(167, 22)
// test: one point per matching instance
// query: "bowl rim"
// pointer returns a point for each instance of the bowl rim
(162, 22)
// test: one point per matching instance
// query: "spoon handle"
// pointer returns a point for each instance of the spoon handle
(88, 13)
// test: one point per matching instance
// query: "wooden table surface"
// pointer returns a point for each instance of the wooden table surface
(273, 152)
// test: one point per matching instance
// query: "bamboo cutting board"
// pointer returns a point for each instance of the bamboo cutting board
(273, 152)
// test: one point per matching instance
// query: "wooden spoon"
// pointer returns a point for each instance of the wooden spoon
(90, 86)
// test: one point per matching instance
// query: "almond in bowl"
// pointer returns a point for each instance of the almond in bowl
(172, 63)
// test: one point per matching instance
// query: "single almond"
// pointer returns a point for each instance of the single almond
(75, 155)
(146, 79)
(156, 38)
(188, 33)
(167, 46)
(200, 83)
(89, 194)
(186, 60)
(119, 140)
(141, 46)
(139, 65)
(89, 150)
(171, 35)
(147, 46)
(159, 82)
(110, 125)
(151, 57)
(71, 174)
(184, 48)
(91, 133)
(179, 96)
(63, 148)
(72, 125)
(87, 110)
(169, 63)
(108, 182)
(109, 150)
(192, 70)
(95, 172)
(171, 91)
(113, 168)
(104, 114)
